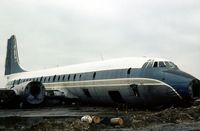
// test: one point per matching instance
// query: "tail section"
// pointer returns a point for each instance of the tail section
(12, 59)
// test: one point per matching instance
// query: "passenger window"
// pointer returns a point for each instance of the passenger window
(54, 78)
(49, 79)
(14, 82)
(19, 81)
(155, 64)
(129, 71)
(41, 79)
(58, 78)
(44, 79)
(80, 76)
(63, 77)
(94, 75)
(68, 77)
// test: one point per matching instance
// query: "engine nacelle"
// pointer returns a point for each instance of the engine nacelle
(31, 92)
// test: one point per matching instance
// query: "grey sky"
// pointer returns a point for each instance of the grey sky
(63, 32)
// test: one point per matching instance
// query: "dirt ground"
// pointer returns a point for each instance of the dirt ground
(60, 119)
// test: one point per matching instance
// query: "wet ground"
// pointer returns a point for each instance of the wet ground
(68, 118)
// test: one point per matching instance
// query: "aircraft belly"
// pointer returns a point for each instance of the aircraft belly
(149, 95)
(98, 95)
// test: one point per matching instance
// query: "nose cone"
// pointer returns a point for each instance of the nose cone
(194, 89)
(179, 75)
(185, 84)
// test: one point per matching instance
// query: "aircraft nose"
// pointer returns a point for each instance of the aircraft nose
(194, 89)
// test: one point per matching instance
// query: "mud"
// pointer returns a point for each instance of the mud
(68, 119)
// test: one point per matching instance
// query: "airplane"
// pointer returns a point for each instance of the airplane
(135, 81)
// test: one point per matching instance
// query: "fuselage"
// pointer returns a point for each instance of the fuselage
(135, 81)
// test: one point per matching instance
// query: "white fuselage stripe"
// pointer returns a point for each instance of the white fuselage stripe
(107, 83)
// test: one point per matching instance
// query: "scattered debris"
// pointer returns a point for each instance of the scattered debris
(108, 118)
(96, 119)
(116, 121)
(104, 120)
(87, 119)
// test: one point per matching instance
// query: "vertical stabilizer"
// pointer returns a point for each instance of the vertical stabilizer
(12, 59)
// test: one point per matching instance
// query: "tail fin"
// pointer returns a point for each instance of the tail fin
(12, 59)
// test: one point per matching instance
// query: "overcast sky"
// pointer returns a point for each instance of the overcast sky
(62, 32)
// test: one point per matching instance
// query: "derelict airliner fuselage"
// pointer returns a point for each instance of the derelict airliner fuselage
(134, 81)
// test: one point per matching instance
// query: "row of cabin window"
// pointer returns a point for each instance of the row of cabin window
(73, 77)
(52, 78)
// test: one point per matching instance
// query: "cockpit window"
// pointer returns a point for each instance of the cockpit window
(145, 64)
(161, 64)
(150, 64)
(155, 64)
(170, 65)
(167, 64)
